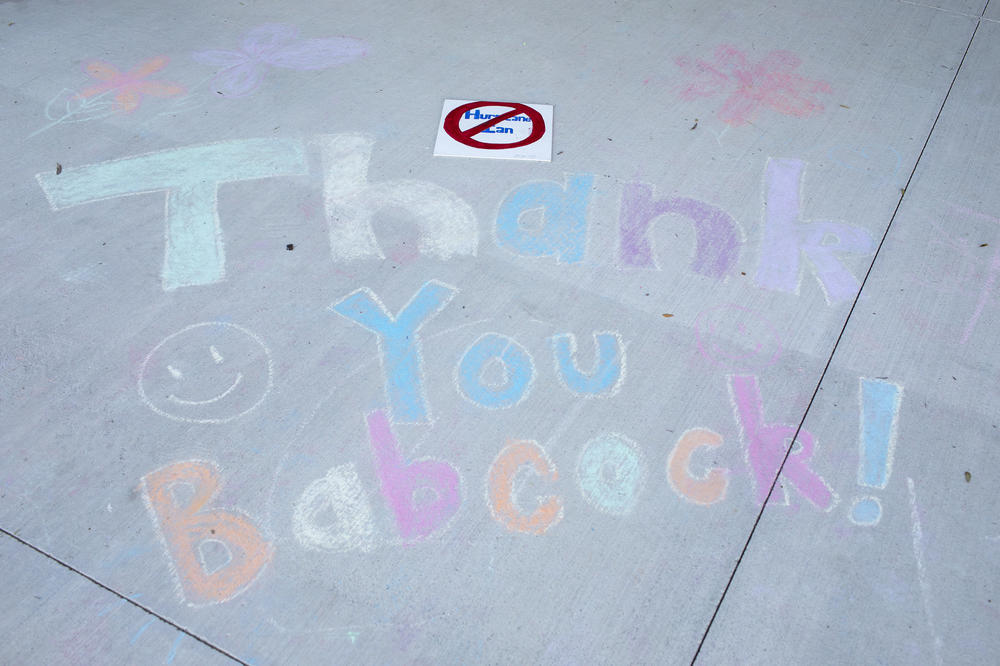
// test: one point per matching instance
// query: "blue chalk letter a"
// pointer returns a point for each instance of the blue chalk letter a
(563, 233)
(398, 343)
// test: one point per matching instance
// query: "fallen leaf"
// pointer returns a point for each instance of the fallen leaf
(968, 477)
(844, 106)
(668, 315)
(983, 244)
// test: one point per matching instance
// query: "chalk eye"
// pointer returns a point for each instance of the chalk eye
(175, 373)
(216, 356)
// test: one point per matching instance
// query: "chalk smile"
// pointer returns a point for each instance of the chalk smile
(181, 401)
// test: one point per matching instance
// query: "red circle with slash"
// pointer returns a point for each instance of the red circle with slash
(465, 136)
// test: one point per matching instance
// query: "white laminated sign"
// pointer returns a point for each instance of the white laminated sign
(498, 130)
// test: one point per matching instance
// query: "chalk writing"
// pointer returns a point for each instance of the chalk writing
(608, 372)
(513, 372)
(191, 176)
(563, 231)
(195, 249)
(786, 239)
(767, 443)
(718, 237)
(339, 492)
(706, 489)
(191, 533)
(879, 411)
(447, 223)
(502, 481)
(398, 343)
(611, 473)
(423, 495)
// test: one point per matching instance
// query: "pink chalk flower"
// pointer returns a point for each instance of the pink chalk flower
(129, 87)
(770, 83)
(276, 45)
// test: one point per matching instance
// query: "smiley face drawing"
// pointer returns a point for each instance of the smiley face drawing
(212, 372)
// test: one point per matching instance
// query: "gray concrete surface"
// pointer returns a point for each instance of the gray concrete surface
(716, 384)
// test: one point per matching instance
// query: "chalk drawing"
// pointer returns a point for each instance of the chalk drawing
(736, 338)
(275, 45)
(879, 402)
(925, 585)
(703, 490)
(608, 372)
(718, 237)
(611, 472)
(68, 107)
(502, 484)
(341, 493)
(211, 372)
(562, 232)
(115, 92)
(495, 372)
(185, 530)
(766, 444)
(749, 87)
(128, 87)
(399, 344)
(423, 495)
(190, 176)
(787, 238)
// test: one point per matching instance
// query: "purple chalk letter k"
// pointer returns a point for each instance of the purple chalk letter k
(786, 239)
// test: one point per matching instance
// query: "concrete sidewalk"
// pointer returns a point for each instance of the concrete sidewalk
(716, 384)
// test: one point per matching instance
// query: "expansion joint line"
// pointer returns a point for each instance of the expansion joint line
(836, 344)
(125, 598)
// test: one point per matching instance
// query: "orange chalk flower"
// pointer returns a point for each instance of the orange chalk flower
(129, 87)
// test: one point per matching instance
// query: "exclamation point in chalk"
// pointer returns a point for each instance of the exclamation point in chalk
(879, 414)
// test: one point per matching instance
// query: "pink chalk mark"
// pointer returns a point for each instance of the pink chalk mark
(770, 83)
(766, 444)
(423, 494)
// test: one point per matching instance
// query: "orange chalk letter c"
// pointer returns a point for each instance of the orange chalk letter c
(705, 490)
(176, 496)
(500, 488)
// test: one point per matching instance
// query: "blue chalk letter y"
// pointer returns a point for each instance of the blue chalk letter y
(399, 345)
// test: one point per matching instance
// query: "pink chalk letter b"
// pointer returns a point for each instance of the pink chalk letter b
(189, 531)
(423, 494)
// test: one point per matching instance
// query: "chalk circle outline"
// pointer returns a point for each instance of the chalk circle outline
(705, 329)
(452, 129)
(186, 419)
